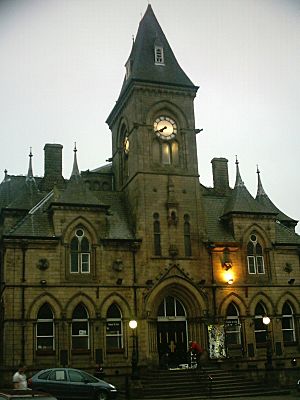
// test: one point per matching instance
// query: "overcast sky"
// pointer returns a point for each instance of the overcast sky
(62, 67)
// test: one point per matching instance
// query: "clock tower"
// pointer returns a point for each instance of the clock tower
(153, 131)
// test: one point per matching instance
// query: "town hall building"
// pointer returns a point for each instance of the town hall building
(141, 239)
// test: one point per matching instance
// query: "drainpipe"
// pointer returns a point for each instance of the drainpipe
(24, 246)
(210, 248)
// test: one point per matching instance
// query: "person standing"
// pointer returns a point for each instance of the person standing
(19, 378)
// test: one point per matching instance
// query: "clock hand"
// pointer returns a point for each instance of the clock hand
(162, 129)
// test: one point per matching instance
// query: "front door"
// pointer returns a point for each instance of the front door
(171, 333)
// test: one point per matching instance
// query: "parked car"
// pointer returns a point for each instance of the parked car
(70, 383)
(18, 394)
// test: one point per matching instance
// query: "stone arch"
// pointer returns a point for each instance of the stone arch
(237, 300)
(120, 301)
(79, 221)
(122, 122)
(265, 299)
(290, 298)
(76, 299)
(167, 107)
(261, 233)
(43, 298)
(194, 301)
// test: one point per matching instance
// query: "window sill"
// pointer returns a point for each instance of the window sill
(115, 351)
(81, 351)
(45, 352)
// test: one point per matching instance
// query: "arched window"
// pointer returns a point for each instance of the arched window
(233, 326)
(125, 148)
(187, 236)
(260, 329)
(171, 307)
(166, 153)
(80, 253)
(80, 328)
(255, 258)
(156, 233)
(288, 324)
(114, 329)
(45, 329)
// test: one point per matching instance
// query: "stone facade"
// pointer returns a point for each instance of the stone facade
(141, 238)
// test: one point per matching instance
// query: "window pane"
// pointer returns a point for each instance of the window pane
(74, 262)
(85, 262)
(170, 306)
(287, 322)
(45, 312)
(75, 376)
(80, 312)
(288, 336)
(74, 244)
(79, 328)
(45, 343)
(260, 265)
(251, 264)
(175, 158)
(45, 328)
(80, 342)
(85, 246)
(166, 154)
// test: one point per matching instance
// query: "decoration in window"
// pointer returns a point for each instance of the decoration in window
(45, 329)
(288, 324)
(80, 328)
(255, 256)
(114, 328)
(80, 253)
(232, 325)
(156, 233)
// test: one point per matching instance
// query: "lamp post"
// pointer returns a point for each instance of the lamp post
(134, 357)
(266, 321)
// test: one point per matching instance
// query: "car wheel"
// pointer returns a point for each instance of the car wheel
(102, 396)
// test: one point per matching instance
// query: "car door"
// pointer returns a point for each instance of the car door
(80, 385)
(58, 384)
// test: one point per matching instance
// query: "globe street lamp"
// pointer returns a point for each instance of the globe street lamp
(266, 321)
(134, 357)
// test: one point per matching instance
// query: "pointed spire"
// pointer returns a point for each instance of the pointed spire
(238, 179)
(260, 189)
(6, 178)
(75, 171)
(29, 176)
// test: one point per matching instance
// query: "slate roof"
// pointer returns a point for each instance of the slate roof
(265, 201)
(143, 67)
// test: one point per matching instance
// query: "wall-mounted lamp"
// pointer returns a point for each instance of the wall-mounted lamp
(43, 282)
(230, 281)
(119, 281)
(226, 261)
(291, 281)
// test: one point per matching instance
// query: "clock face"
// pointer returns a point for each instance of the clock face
(126, 145)
(165, 128)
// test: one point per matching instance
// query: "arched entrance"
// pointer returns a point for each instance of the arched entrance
(171, 332)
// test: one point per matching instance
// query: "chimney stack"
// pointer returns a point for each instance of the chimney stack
(53, 166)
(220, 175)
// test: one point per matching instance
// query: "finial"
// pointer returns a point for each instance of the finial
(75, 170)
(30, 173)
(238, 179)
(132, 39)
(257, 169)
(5, 175)
(260, 189)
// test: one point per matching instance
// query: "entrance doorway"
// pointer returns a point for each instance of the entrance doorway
(171, 333)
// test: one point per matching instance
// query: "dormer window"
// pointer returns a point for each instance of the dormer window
(159, 55)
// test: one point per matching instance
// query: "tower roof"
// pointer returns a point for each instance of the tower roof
(241, 200)
(263, 199)
(141, 62)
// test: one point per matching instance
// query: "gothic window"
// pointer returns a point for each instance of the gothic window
(165, 153)
(287, 324)
(114, 328)
(159, 55)
(80, 328)
(45, 329)
(80, 253)
(255, 258)
(233, 326)
(156, 234)
(260, 329)
(187, 236)
(171, 307)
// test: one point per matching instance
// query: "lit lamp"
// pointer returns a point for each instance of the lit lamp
(134, 357)
(266, 322)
